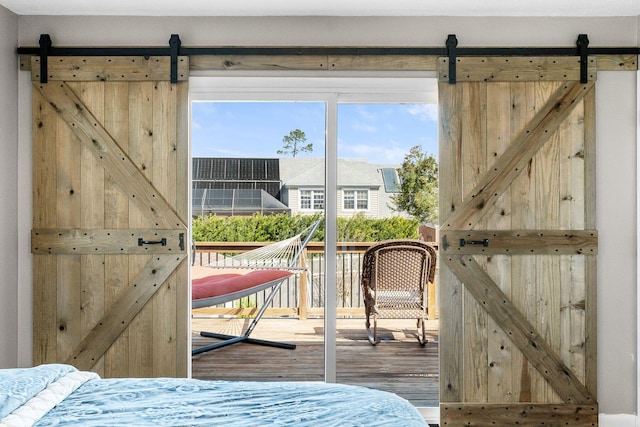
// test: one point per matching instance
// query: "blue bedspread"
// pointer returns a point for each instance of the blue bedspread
(184, 402)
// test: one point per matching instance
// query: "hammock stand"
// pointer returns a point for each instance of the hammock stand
(246, 274)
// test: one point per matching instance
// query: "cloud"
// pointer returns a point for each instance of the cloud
(376, 154)
(195, 125)
(201, 115)
(200, 107)
(365, 113)
(425, 112)
(362, 127)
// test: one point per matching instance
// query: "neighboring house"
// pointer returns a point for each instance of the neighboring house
(244, 186)
(362, 187)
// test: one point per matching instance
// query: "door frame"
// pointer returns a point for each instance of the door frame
(370, 87)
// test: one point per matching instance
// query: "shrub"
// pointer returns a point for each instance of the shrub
(271, 228)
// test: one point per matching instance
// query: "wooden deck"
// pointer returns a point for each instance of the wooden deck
(397, 364)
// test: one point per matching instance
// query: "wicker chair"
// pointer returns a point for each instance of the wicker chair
(395, 274)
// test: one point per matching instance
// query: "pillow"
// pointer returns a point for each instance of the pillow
(228, 281)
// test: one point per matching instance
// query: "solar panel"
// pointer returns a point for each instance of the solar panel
(236, 185)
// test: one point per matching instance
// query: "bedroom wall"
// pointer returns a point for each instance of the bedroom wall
(616, 115)
(8, 188)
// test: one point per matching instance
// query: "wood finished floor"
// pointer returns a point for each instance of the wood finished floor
(397, 364)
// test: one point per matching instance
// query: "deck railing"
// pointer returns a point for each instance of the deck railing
(302, 295)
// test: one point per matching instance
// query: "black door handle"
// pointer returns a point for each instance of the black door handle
(484, 242)
(162, 242)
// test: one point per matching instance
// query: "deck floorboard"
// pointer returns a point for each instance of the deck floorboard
(397, 364)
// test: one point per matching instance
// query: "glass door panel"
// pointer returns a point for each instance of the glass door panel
(258, 173)
(386, 189)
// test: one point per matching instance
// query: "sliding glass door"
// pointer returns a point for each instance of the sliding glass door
(339, 145)
(258, 178)
(380, 146)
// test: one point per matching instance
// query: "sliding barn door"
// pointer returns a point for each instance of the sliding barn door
(518, 245)
(110, 205)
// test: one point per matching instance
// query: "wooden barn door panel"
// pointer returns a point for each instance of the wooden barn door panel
(110, 155)
(518, 245)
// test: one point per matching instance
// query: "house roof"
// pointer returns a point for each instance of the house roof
(309, 171)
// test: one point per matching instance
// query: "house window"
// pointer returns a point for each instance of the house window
(312, 200)
(391, 180)
(355, 200)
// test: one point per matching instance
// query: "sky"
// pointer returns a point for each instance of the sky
(379, 133)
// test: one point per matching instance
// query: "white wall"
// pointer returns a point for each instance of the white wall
(616, 131)
(8, 188)
(616, 223)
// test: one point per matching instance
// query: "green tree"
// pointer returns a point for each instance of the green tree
(294, 143)
(418, 194)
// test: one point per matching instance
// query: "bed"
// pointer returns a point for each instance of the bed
(60, 395)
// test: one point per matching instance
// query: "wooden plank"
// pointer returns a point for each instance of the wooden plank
(516, 157)
(547, 194)
(572, 216)
(140, 330)
(182, 154)
(163, 173)
(520, 330)
(312, 247)
(275, 312)
(25, 62)
(141, 130)
(591, 291)
(68, 177)
(69, 214)
(164, 330)
(107, 241)
(500, 350)
(163, 140)
(92, 174)
(382, 62)
(113, 159)
(518, 414)
(450, 196)
(183, 205)
(44, 215)
(92, 298)
(475, 319)
(523, 202)
(258, 62)
(182, 321)
(109, 68)
(140, 141)
(116, 122)
(45, 301)
(521, 242)
(44, 131)
(617, 62)
(69, 305)
(517, 69)
(121, 313)
(92, 209)
(474, 134)
(116, 280)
